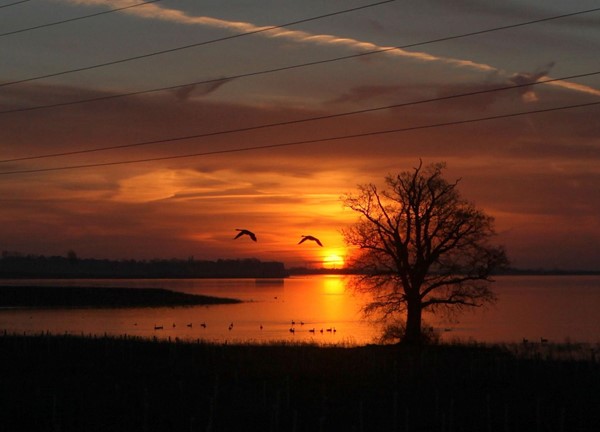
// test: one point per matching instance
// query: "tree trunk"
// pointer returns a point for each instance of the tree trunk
(413, 333)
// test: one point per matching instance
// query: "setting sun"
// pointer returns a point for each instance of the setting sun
(332, 261)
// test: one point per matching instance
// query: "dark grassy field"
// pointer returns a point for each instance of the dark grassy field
(98, 297)
(66, 383)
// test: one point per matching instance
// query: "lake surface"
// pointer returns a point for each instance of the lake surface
(557, 308)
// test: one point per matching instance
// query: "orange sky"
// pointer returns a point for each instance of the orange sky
(537, 174)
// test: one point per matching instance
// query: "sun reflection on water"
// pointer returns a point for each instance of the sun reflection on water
(333, 284)
(565, 307)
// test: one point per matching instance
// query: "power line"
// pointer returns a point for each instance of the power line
(290, 122)
(290, 67)
(170, 50)
(76, 18)
(298, 143)
(14, 3)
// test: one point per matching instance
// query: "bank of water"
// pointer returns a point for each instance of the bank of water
(319, 309)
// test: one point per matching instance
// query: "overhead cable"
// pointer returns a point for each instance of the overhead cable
(14, 3)
(304, 142)
(286, 68)
(76, 18)
(305, 120)
(170, 50)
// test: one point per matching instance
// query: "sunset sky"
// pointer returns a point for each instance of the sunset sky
(185, 175)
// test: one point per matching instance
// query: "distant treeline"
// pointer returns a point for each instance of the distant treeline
(301, 271)
(509, 271)
(34, 266)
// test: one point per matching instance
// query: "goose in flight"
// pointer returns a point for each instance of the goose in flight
(308, 237)
(245, 232)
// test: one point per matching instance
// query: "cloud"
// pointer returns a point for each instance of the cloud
(156, 11)
(517, 10)
(156, 117)
(364, 93)
(531, 77)
(189, 207)
(159, 12)
(580, 88)
(527, 93)
(185, 92)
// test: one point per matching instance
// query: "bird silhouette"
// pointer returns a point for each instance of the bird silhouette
(308, 237)
(245, 232)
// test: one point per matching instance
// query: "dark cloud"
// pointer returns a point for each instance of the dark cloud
(367, 93)
(139, 119)
(517, 10)
(520, 168)
(186, 92)
(524, 78)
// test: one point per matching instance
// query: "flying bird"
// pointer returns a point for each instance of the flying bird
(308, 237)
(245, 232)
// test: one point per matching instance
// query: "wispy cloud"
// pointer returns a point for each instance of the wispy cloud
(575, 87)
(155, 11)
(158, 12)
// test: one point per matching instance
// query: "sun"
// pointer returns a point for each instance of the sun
(333, 261)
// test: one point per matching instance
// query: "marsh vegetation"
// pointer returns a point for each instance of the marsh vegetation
(68, 383)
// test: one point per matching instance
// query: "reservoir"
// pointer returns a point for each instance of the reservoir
(319, 309)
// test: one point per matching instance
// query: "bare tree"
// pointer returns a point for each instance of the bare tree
(421, 246)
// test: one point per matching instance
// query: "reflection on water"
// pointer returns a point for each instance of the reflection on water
(531, 307)
(307, 305)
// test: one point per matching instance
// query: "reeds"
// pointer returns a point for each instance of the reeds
(72, 383)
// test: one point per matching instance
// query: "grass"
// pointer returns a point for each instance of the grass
(96, 297)
(68, 383)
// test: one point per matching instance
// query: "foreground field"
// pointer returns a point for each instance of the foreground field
(65, 383)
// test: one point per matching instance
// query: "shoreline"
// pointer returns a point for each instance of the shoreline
(586, 352)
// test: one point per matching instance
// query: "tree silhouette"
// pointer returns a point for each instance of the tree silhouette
(72, 257)
(421, 246)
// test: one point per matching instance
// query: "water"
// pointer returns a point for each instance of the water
(557, 308)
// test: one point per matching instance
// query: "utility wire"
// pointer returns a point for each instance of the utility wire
(286, 68)
(170, 50)
(290, 122)
(304, 142)
(76, 18)
(14, 3)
